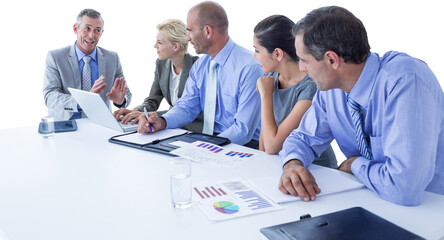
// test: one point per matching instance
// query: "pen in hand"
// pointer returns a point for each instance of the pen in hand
(146, 115)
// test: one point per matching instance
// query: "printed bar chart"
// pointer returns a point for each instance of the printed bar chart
(210, 147)
(230, 199)
(209, 191)
(208, 153)
(255, 200)
(239, 154)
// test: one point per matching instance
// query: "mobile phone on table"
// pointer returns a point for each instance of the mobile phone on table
(59, 126)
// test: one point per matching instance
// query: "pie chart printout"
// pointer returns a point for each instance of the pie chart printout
(231, 198)
(226, 207)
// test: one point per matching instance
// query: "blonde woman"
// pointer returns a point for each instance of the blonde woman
(172, 69)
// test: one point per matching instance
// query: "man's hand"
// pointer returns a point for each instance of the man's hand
(298, 181)
(99, 85)
(117, 93)
(127, 116)
(346, 165)
(156, 123)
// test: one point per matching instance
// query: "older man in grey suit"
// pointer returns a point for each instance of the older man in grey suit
(79, 66)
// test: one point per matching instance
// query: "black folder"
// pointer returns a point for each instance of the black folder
(163, 145)
(352, 223)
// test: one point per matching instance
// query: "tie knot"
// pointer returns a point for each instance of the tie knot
(213, 65)
(354, 105)
(86, 59)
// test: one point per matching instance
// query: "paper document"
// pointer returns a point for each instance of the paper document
(142, 139)
(329, 181)
(231, 199)
(231, 155)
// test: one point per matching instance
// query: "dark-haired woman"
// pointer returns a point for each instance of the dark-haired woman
(286, 92)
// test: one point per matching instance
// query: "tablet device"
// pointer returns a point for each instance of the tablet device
(59, 126)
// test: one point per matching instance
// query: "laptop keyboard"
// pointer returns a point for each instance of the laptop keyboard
(128, 125)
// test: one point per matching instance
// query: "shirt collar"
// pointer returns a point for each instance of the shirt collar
(223, 55)
(364, 86)
(81, 54)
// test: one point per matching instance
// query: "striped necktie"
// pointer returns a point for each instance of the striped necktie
(355, 111)
(210, 99)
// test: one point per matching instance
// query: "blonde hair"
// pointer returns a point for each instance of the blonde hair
(175, 31)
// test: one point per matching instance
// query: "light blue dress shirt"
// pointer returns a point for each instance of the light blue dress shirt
(237, 104)
(94, 72)
(403, 113)
(93, 64)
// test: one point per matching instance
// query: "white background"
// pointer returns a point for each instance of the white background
(29, 29)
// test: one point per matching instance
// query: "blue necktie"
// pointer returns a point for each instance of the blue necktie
(355, 111)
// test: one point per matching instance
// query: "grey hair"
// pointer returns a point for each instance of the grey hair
(90, 13)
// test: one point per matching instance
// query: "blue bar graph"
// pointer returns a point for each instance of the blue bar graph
(254, 200)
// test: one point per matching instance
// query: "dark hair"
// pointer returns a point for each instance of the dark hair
(275, 32)
(334, 29)
(90, 13)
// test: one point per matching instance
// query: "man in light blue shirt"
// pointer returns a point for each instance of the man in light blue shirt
(237, 113)
(400, 125)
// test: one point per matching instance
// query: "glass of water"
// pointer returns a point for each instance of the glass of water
(47, 123)
(180, 182)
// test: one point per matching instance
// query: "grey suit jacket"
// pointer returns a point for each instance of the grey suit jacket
(62, 71)
(161, 89)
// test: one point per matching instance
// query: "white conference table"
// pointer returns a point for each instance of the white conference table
(77, 185)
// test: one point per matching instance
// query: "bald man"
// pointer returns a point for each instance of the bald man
(237, 104)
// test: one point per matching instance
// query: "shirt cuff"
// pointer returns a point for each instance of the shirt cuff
(292, 157)
(166, 123)
(171, 121)
(356, 165)
(121, 105)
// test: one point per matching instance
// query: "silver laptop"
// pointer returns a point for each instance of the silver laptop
(98, 112)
